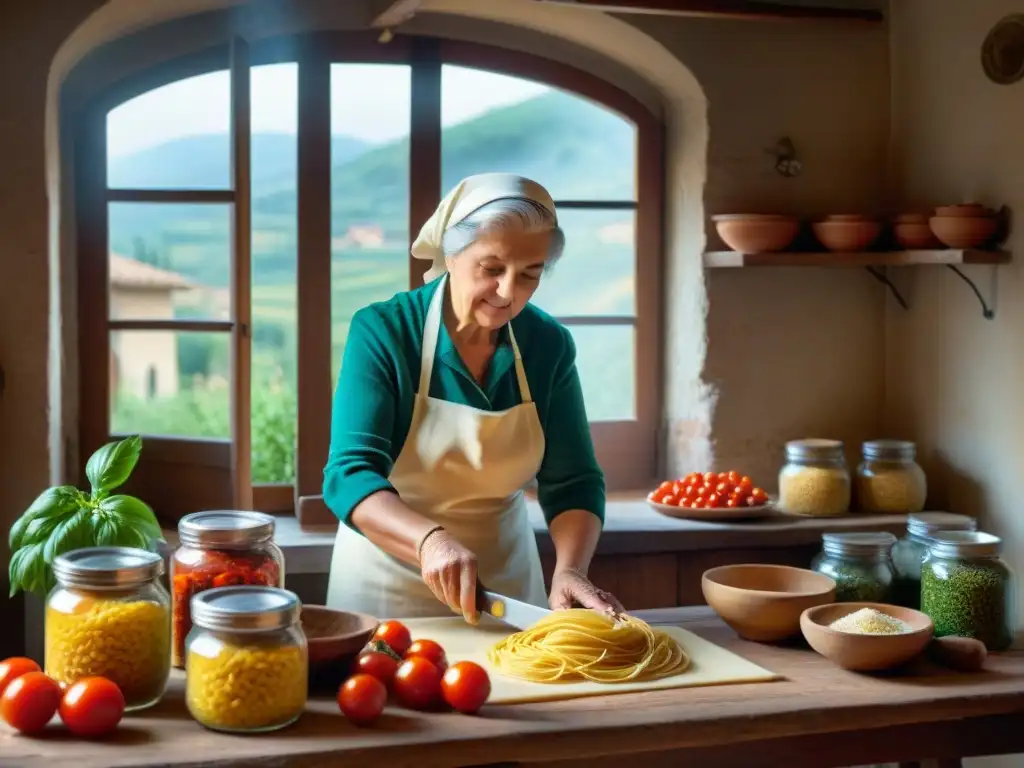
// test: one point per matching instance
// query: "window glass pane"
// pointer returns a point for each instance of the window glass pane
(595, 275)
(169, 260)
(606, 361)
(370, 114)
(170, 383)
(577, 149)
(173, 137)
(274, 95)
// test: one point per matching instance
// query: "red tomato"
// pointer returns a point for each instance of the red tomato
(92, 707)
(30, 701)
(395, 634)
(466, 686)
(682, 502)
(13, 668)
(732, 503)
(713, 500)
(698, 502)
(361, 698)
(760, 495)
(751, 501)
(671, 499)
(734, 477)
(666, 485)
(378, 665)
(429, 650)
(658, 497)
(417, 683)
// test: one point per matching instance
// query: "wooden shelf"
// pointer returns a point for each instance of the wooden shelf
(726, 9)
(949, 257)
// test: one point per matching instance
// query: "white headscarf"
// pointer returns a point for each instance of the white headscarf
(468, 195)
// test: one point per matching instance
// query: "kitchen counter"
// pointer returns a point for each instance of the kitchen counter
(818, 715)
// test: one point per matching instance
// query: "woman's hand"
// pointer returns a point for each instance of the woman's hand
(449, 570)
(569, 586)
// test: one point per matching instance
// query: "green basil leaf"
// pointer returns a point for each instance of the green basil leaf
(132, 513)
(108, 533)
(112, 464)
(22, 563)
(51, 504)
(72, 533)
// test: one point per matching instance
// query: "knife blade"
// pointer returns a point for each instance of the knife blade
(515, 613)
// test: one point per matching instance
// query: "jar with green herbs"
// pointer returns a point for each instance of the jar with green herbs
(967, 589)
(814, 481)
(889, 479)
(860, 565)
(909, 551)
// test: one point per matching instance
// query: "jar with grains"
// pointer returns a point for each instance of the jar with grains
(220, 549)
(889, 479)
(967, 589)
(909, 551)
(860, 565)
(246, 659)
(110, 616)
(814, 481)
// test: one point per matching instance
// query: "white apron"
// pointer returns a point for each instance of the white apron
(474, 489)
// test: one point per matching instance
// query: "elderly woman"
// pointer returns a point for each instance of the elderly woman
(452, 398)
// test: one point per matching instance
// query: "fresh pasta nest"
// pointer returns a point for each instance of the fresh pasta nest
(579, 645)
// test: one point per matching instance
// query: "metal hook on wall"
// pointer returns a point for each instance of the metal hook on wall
(786, 162)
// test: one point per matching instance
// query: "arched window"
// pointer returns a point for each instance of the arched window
(244, 204)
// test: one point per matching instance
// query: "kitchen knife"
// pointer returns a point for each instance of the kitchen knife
(515, 613)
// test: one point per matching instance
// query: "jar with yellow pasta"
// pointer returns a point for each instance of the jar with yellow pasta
(889, 478)
(246, 662)
(814, 481)
(110, 616)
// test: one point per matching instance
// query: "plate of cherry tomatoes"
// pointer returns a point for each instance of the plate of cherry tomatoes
(711, 496)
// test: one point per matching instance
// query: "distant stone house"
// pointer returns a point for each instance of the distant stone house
(143, 364)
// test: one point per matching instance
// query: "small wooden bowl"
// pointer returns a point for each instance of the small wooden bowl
(764, 602)
(963, 231)
(757, 232)
(849, 233)
(866, 653)
(332, 635)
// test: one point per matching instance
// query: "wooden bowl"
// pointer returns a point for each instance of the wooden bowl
(847, 233)
(964, 231)
(764, 602)
(333, 635)
(911, 231)
(865, 653)
(757, 232)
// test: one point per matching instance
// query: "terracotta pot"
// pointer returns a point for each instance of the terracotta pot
(757, 233)
(962, 231)
(847, 235)
(964, 210)
(915, 235)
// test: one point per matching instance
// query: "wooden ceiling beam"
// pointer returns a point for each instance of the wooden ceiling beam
(397, 12)
(725, 9)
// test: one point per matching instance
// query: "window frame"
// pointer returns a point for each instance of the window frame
(190, 473)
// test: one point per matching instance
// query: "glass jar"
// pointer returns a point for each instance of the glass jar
(814, 481)
(109, 616)
(860, 565)
(220, 549)
(889, 479)
(909, 551)
(967, 589)
(246, 659)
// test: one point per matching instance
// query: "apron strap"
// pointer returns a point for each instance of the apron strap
(431, 331)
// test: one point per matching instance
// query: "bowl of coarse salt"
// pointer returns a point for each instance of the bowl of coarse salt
(866, 637)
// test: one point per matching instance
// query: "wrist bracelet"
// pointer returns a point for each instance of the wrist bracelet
(424, 537)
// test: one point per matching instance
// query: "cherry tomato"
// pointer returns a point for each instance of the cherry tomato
(15, 667)
(30, 701)
(713, 500)
(361, 698)
(682, 501)
(760, 495)
(658, 497)
(466, 686)
(734, 477)
(395, 634)
(92, 706)
(378, 665)
(732, 503)
(751, 501)
(698, 502)
(723, 488)
(417, 683)
(666, 485)
(671, 500)
(429, 650)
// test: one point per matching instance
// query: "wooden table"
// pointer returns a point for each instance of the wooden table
(818, 716)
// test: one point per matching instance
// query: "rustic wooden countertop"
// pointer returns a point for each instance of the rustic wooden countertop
(631, 528)
(817, 716)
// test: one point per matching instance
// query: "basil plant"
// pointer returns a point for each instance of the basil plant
(65, 518)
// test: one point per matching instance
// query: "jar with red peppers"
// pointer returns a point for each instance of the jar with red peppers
(220, 549)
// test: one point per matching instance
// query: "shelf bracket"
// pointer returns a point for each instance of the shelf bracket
(884, 280)
(987, 312)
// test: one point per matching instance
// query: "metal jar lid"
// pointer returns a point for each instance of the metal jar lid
(889, 450)
(866, 544)
(225, 529)
(926, 524)
(245, 608)
(965, 544)
(814, 449)
(107, 567)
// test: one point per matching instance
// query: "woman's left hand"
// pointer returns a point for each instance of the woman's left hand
(569, 586)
